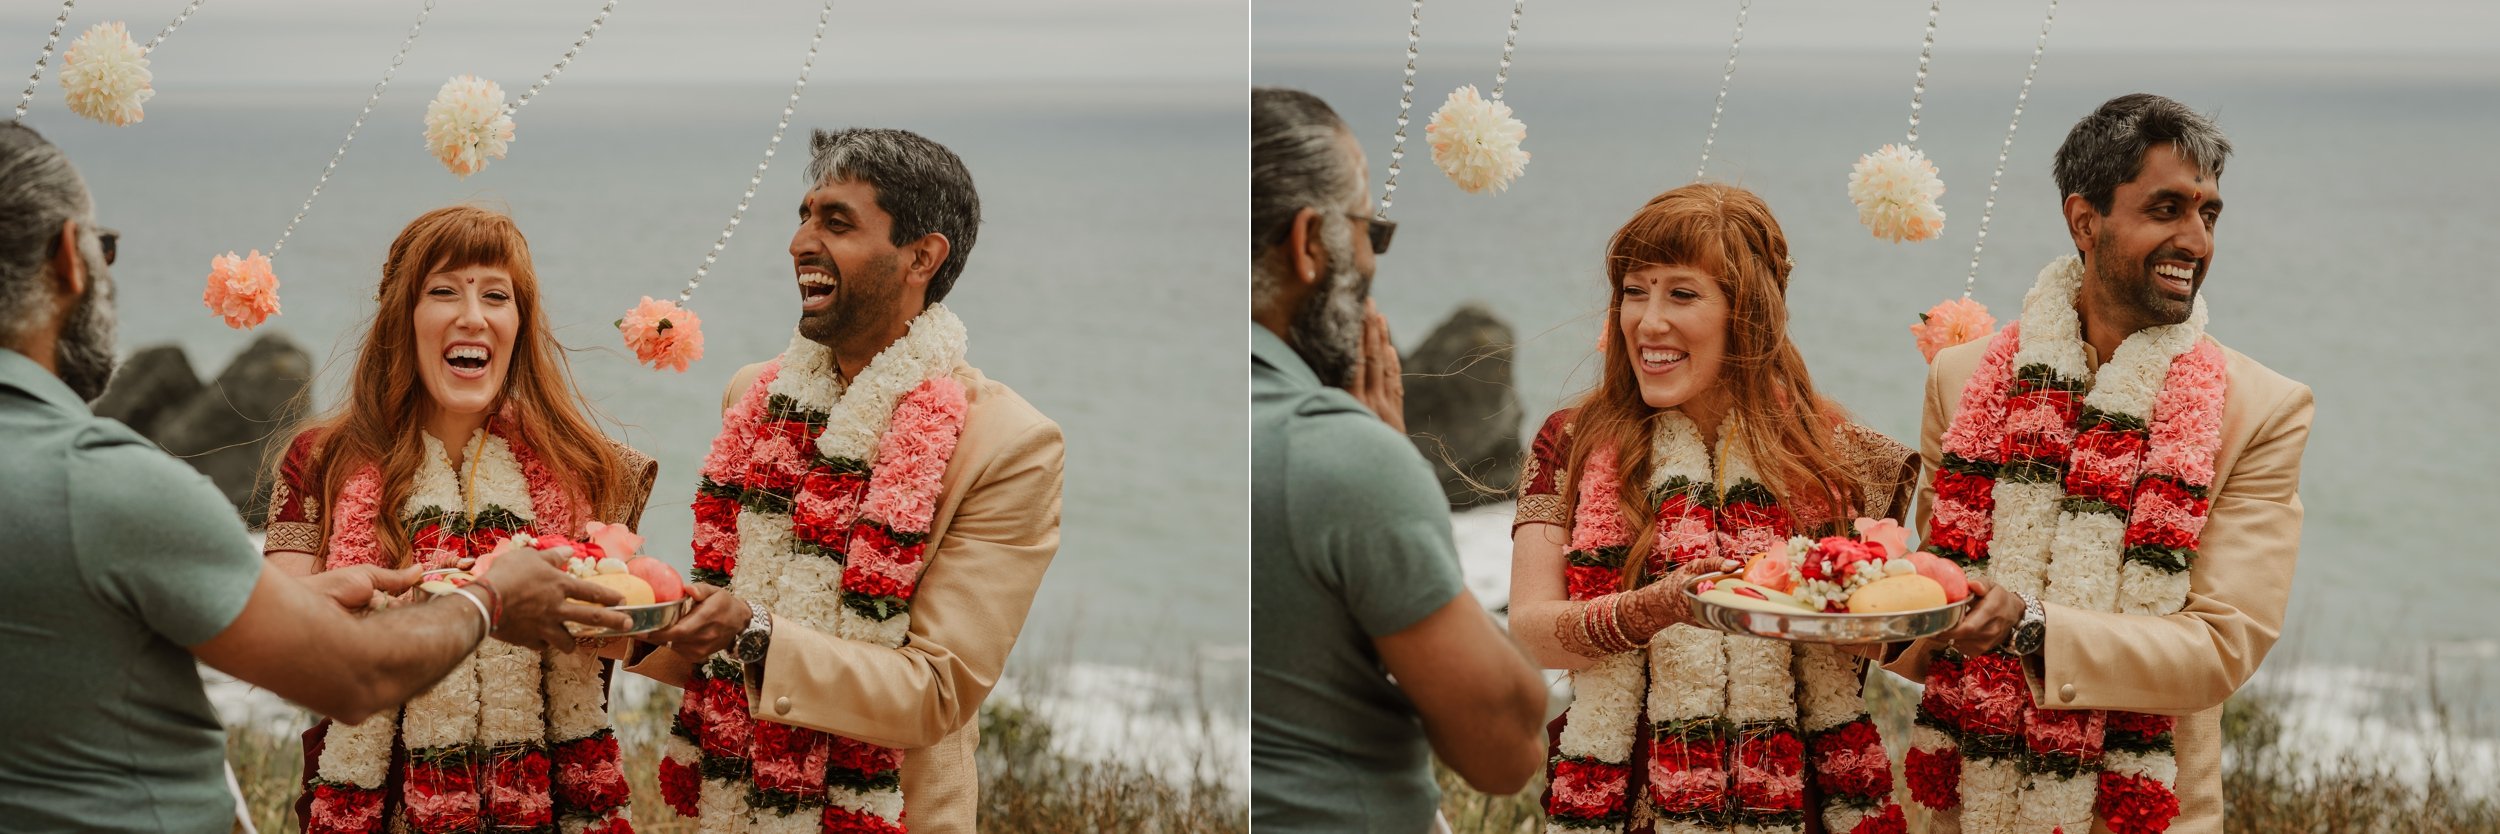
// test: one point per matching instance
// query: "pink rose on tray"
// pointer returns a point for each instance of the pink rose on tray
(1887, 532)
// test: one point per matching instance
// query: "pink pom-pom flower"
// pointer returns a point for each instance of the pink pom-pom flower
(243, 291)
(1951, 323)
(662, 334)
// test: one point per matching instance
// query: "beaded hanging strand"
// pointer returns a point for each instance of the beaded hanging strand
(567, 60)
(664, 334)
(44, 58)
(1475, 140)
(1726, 77)
(2003, 151)
(757, 179)
(1895, 188)
(1962, 319)
(1406, 105)
(170, 27)
(396, 59)
(244, 290)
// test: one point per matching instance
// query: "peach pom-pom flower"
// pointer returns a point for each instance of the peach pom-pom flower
(662, 334)
(1895, 189)
(467, 123)
(1951, 323)
(1476, 142)
(106, 75)
(243, 291)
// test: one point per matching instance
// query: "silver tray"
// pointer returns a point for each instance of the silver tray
(647, 618)
(1806, 627)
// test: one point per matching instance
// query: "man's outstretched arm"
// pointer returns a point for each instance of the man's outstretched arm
(296, 638)
(1482, 704)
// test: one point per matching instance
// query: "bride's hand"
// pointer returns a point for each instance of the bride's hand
(1377, 379)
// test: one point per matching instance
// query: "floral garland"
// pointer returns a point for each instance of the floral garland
(792, 516)
(511, 738)
(1730, 728)
(2083, 490)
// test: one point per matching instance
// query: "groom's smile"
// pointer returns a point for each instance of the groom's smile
(816, 287)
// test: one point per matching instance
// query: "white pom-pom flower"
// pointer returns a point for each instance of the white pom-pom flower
(1476, 142)
(1895, 189)
(466, 124)
(106, 75)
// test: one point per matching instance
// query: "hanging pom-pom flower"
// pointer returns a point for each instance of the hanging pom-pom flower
(1895, 189)
(467, 124)
(662, 334)
(1476, 142)
(243, 291)
(106, 75)
(1951, 323)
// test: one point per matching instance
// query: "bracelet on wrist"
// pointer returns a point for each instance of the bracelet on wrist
(485, 618)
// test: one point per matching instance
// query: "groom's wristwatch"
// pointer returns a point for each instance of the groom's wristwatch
(757, 639)
(2032, 632)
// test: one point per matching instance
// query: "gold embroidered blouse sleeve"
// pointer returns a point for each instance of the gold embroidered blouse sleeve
(294, 520)
(638, 472)
(2193, 660)
(968, 609)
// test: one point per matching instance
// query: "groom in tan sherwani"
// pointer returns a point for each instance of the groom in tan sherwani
(2140, 179)
(883, 233)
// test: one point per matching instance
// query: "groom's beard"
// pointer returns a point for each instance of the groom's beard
(1328, 330)
(863, 304)
(84, 355)
(2132, 284)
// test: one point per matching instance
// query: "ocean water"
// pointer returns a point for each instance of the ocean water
(2352, 257)
(1100, 289)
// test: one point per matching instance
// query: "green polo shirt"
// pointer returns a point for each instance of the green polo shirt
(115, 558)
(1349, 541)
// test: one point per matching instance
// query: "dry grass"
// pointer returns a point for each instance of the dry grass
(1026, 785)
(2267, 787)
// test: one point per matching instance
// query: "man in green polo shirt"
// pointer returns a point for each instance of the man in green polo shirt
(1368, 654)
(122, 565)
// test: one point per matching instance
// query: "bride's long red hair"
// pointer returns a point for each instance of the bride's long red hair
(377, 423)
(1783, 427)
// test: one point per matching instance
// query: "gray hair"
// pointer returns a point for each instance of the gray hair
(2107, 148)
(919, 183)
(39, 191)
(1298, 160)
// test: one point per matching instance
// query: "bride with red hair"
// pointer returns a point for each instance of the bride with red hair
(1703, 443)
(460, 428)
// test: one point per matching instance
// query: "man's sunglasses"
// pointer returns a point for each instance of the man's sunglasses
(1379, 230)
(107, 239)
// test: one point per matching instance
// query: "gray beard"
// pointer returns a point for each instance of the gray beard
(1328, 330)
(85, 356)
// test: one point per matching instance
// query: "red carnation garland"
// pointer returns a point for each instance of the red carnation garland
(869, 518)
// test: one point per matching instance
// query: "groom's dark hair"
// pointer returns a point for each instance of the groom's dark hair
(2106, 149)
(919, 183)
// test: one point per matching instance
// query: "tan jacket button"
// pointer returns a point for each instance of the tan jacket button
(781, 705)
(2065, 694)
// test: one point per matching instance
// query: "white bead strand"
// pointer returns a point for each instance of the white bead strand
(1726, 77)
(45, 58)
(1406, 106)
(341, 153)
(2007, 149)
(757, 179)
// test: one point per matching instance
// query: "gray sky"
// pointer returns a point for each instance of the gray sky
(1284, 26)
(512, 41)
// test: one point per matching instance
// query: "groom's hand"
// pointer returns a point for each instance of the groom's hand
(716, 620)
(1990, 620)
